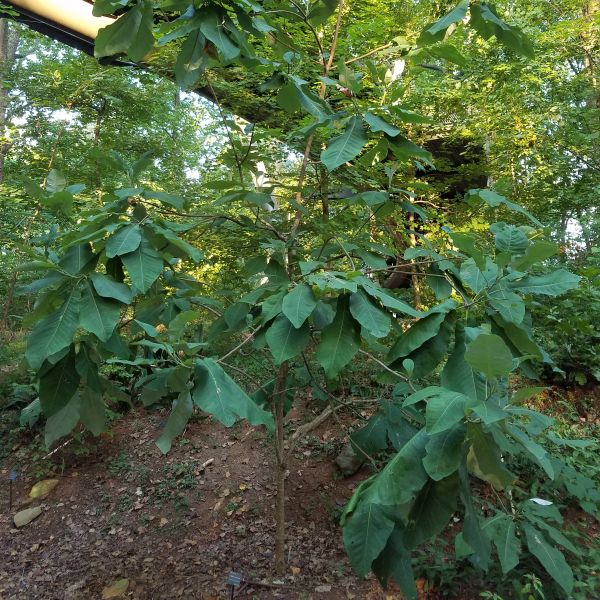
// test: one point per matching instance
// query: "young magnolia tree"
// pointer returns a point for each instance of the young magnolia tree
(116, 288)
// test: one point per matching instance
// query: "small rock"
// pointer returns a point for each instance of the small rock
(24, 517)
(295, 571)
(348, 461)
(42, 489)
(323, 588)
(117, 589)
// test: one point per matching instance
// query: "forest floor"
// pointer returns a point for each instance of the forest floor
(176, 525)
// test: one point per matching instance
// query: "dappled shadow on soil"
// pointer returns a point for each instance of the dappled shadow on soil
(176, 525)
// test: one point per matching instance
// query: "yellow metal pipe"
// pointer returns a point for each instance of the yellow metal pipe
(72, 14)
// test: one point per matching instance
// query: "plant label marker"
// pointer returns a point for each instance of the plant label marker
(233, 580)
(12, 476)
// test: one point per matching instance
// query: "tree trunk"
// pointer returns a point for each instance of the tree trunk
(279, 392)
(9, 39)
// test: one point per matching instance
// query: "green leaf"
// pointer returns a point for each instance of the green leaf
(553, 284)
(416, 336)
(494, 200)
(55, 332)
(377, 123)
(510, 306)
(436, 32)
(298, 304)
(98, 315)
(77, 259)
(395, 561)
(552, 559)
(58, 384)
(55, 182)
(489, 355)
(365, 535)
(285, 340)
(501, 529)
(340, 340)
(92, 411)
(537, 452)
(444, 410)
(432, 510)
(131, 33)
(487, 23)
(371, 438)
(216, 393)
(489, 412)
(107, 287)
(444, 451)
(62, 422)
(536, 252)
(179, 243)
(477, 279)
(345, 147)
(457, 374)
(144, 265)
(371, 318)
(191, 60)
(212, 27)
(126, 239)
(107, 7)
(484, 459)
(403, 476)
(509, 238)
(180, 415)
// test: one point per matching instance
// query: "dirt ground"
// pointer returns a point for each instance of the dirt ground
(175, 526)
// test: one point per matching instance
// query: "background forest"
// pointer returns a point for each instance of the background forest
(354, 239)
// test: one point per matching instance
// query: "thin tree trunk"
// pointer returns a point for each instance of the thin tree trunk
(279, 414)
(9, 39)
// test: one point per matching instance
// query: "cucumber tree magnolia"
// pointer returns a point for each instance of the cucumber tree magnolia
(115, 289)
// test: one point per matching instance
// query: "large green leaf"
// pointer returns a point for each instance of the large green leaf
(403, 477)
(476, 278)
(395, 561)
(501, 529)
(485, 460)
(377, 123)
(489, 355)
(131, 33)
(55, 332)
(444, 410)
(487, 23)
(77, 259)
(537, 452)
(107, 287)
(432, 510)
(436, 31)
(553, 284)
(388, 300)
(416, 336)
(144, 265)
(298, 304)
(509, 238)
(444, 451)
(92, 411)
(365, 535)
(373, 437)
(126, 239)
(346, 146)
(216, 393)
(98, 315)
(285, 341)
(180, 415)
(212, 27)
(191, 60)
(62, 422)
(58, 384)
(494, 200)
(551, 558)
(371, 318)
(457, 374)
(340, 340)
(536, 252)
(507, 303)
